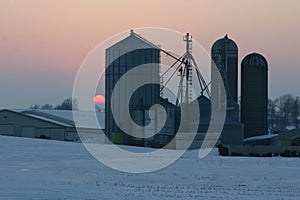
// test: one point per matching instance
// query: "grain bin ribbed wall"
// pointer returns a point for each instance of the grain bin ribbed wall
(138, 52)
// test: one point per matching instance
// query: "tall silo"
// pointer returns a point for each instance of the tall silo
(224, 53)
(123, 56)
(254, 94)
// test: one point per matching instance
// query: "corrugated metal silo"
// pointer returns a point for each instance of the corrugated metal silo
(123, 56)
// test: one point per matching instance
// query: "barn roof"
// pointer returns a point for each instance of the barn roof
(260, 137)
(290, 134)
(83, 119)
(64, 117)
(24, 113)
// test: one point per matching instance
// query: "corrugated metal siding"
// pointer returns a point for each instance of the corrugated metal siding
(117, 66)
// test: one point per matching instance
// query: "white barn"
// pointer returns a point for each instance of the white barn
(50, 124)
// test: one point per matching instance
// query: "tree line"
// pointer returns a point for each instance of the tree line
(67, 104)
(284, 111)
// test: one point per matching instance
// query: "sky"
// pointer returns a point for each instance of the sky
(43, 43)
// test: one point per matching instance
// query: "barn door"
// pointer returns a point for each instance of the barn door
(6, 129)
(27, 132)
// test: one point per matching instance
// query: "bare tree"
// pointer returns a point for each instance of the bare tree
(295, 112)
(288, 109)
(272, 113)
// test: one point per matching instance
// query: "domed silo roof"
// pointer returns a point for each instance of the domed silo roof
(255, 59)
(223, 43)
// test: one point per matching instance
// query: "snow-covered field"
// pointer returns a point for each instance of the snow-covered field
(45, 169)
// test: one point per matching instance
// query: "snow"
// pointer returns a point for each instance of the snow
(260, 137)
(290, 127)
(84, 119)
(49, 120)
(48, 169)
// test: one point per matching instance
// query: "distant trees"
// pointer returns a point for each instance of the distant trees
(35, 107)
(46, 107)
(284, 111)
(67, 104)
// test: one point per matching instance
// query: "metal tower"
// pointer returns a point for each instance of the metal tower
(187, 65)
(185, 88)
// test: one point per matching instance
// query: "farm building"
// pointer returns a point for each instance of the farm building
(126, 55)
(290, 137)
(49, 124)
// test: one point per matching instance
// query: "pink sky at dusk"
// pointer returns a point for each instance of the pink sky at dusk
(43, 43)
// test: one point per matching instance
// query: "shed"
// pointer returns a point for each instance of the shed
(48, 124)
(290, 137)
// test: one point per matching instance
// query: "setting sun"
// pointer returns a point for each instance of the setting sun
(99, 99)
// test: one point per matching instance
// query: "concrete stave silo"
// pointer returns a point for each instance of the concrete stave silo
(224, 53)
(254, 94)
